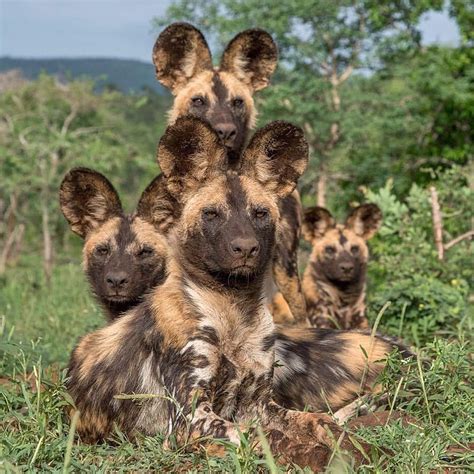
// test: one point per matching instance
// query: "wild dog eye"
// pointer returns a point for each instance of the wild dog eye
(261, 213)
(209, 214)
(198, 101)
(102, 250)
(145, 252)
(355, 249)
(237, 102)
(330, 250)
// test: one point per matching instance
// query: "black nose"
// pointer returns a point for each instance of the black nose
(346, 267)
(226, 131)
(116, 280)
(242, 247)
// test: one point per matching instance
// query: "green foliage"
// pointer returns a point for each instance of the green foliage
(427, 296)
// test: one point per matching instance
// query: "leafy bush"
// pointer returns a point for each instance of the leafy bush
(427, 296)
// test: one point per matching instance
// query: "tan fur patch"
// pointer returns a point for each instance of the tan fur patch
(199, 85)
(331, 237)
(104, 234)
(146, 234)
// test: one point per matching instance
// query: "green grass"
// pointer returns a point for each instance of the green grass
(40, 325)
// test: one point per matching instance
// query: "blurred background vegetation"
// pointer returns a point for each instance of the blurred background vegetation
(386, 118)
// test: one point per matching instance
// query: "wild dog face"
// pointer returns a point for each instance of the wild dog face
(123, 255)
(223, 95)
(228, 221)
(340, 252)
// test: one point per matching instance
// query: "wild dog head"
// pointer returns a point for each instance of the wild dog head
(340, 252)
(227, 227)
(222, 95)
(123, 255)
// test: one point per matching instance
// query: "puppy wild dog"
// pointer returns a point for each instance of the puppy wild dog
(224, 97)
(334, 281)
(123, 255)
(313, 369)
(205, 338)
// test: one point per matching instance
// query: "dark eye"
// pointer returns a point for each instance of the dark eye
(330, 250)
(237, 102)
(209, 214)
(102, 250)
(198, 101)
(261, 213)
(145, 252)
(355, 249)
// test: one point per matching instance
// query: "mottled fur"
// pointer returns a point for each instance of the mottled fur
(123, 255)
(202, 343)
(334, 282)
(224, 97)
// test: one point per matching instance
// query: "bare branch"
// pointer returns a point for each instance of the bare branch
(467, 235)
(437, 223)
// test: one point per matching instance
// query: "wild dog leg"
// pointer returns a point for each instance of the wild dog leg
(285, 271)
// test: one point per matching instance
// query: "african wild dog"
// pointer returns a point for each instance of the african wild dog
(223, 97)
(202, 343)
(123, 255)
(334, 281)
(315, 368)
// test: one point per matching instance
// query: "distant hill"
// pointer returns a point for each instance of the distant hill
(128, 75)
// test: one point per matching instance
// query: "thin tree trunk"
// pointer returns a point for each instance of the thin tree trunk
(437, 223)
(47, 242)
(321, 188)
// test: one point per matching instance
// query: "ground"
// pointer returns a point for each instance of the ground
(41, 324)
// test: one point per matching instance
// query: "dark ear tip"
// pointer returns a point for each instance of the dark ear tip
(370, 209)
(189, 123)
(316, 213)
(177, 29)
(283, 128)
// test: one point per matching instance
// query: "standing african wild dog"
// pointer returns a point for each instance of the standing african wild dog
(334, 281)
(123, 255)
(205, 337)
(223, 97)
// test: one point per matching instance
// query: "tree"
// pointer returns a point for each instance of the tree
(322, 43)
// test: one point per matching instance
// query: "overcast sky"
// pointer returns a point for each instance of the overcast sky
(113, 28)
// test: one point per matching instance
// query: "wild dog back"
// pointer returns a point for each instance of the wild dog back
(334, 281)
(123, 255)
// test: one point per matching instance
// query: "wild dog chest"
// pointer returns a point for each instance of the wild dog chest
(231, 352)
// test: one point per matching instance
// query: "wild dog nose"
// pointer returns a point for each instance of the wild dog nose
(245, 248)
(346, 267)
(116, 280)
(226, 131)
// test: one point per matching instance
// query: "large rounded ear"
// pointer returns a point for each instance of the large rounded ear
(316, 222)
(179, 54)
(88, 200)
(189, 154)
(276, 157)
(252, 57)
(365, 220)
(157, 206)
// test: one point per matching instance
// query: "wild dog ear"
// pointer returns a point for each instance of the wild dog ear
(276, 157)
(316, 222)
(252, 57)
(189, 153)
(87, 200)
(180, 52)
(157, 206)
(365, 220)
